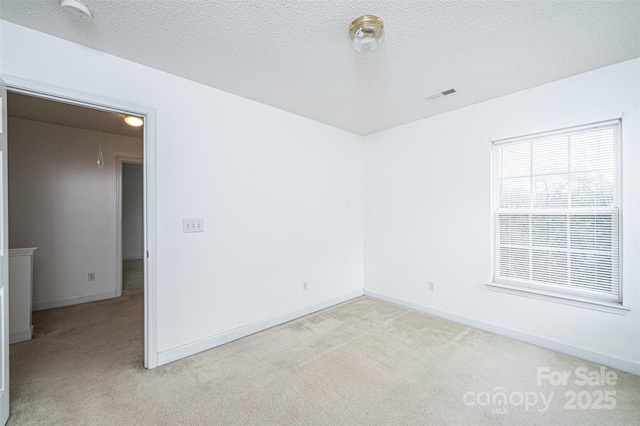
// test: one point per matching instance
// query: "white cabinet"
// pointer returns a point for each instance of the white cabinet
(20, 290)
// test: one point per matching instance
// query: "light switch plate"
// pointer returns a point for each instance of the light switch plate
(192, 225)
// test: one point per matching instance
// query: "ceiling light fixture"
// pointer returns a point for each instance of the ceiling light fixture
(133, 121)
(77, 10)
(366, 33)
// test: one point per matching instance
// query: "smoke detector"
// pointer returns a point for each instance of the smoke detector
(77, 10)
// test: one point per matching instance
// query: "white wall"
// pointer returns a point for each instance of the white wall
(62, 203)
(428, 213)
(281, 195)
(282, 200)
(132, 211)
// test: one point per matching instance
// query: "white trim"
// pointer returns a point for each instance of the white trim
(564, 130)
(35, 88)
(4, 262)
(150, 243)
(20, 336)
(627, 365)
(73, 97)
(119, 162)
(28, 251)
(58, 303)
(192, 348)
(566, 299)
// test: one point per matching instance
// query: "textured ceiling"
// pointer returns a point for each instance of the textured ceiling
(294, 55)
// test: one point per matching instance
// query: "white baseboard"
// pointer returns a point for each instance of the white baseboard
(58, 303)
(20, 336)
(597, 357)
(192, 348)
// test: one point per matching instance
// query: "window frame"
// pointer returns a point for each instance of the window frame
(550, 291)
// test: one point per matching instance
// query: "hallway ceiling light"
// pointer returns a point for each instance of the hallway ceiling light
(366, 33)
(133, 121)
(100, 160)
(77, 10)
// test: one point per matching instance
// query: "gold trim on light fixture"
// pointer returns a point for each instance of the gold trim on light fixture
(366, 19)
(133, 121)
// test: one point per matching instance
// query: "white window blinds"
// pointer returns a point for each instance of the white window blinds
(556, 211)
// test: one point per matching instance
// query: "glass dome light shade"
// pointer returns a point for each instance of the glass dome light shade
(366, 33)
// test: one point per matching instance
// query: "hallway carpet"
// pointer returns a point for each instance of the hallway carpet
(362, 362)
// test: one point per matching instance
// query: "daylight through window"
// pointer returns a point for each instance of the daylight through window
(556, 211)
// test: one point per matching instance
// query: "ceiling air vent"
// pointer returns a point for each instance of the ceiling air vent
(434, 96)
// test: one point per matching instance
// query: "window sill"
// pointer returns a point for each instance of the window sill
(598, 305)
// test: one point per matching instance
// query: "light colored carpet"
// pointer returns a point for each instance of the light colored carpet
(361, 362)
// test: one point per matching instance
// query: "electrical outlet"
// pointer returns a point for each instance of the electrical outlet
(192, 225)
(92, 276)
(431, 285)
(305, 286)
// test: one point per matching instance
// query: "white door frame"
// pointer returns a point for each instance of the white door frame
(4, 262)
(119, 162)
(60, 94)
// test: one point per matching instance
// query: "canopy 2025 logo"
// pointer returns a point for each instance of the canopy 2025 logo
(584, 399)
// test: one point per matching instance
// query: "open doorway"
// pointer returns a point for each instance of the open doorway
(72, 97)
(64, 171)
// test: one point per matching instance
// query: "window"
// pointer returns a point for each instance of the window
(556, 212)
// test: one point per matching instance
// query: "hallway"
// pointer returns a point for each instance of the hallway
(92, 340)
